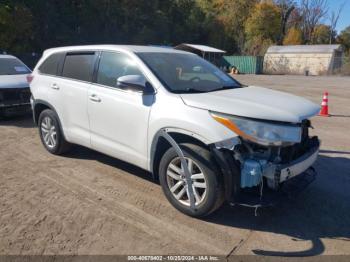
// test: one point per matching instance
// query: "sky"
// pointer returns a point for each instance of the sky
(344, 19)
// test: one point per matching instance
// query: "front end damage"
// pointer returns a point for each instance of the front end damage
(259, 175)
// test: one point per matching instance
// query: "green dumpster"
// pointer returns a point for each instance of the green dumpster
(244, 64)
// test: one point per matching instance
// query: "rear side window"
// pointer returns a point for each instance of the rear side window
(50, 65)
(79, 66)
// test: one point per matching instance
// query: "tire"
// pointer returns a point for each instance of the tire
(54, 141)
(202, 163)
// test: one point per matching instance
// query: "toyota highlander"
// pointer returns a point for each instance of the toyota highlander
(204, 135)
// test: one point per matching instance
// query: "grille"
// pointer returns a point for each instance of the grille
(293, 152)
(15, 95)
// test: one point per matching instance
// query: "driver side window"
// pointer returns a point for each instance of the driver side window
(114, 65)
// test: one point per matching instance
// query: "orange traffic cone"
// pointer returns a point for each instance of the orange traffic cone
(324, 105)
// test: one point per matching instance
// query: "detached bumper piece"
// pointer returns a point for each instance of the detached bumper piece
(253, 197)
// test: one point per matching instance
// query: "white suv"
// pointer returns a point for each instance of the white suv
(204, 135)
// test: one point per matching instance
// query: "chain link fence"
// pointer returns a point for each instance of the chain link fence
(342, 66)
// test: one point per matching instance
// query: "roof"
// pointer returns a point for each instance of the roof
(304, 49)
(130, 48)
(202, 48)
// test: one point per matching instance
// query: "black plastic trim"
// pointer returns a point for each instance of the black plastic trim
(230, 171)
(39, 101)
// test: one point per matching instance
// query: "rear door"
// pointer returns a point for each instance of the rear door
(70, 93)
(42, 84)
(118, 117)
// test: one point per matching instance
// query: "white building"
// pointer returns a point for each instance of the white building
(207, 52)
(303, 59)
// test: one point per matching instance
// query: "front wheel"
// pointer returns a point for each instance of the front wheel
(206, 183)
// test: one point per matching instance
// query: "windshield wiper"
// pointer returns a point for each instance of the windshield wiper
(224, 88)
(190, 90)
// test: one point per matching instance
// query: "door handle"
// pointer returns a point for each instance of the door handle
(95, 98)
(55, 86)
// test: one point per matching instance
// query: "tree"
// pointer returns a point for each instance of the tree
(344, 39)
(15, 27)
(225, 22)
(236, 26)
(334, 17)
(74, 22)
(294, 37)
(263, 27)
(286, 7)
(312, 12)
(321, 35)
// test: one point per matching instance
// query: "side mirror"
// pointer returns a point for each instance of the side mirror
(135, 82)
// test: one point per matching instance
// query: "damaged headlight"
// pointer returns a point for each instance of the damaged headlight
(261, 132)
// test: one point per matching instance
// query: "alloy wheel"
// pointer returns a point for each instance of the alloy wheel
(48, 132)
(177, 182)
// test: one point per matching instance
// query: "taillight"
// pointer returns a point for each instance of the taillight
(30, 78)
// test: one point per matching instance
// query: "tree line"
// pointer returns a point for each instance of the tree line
(237, 26)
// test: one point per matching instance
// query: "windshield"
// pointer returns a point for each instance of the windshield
(12, 66)
(187, 73)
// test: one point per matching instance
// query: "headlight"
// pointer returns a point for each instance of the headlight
(259, 131)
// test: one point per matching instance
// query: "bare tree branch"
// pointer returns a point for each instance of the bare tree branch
(334, 17)
(312, 11)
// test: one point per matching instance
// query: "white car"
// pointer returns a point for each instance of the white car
(14, 88)
(204, 135)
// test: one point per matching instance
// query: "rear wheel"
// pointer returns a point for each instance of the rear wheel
(206, 183)
(50, 133)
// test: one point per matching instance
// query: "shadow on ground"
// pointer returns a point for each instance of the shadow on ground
(23, 121)
(321, 211)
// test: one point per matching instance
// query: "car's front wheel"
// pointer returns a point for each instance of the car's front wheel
(50, 133)
(206, 183)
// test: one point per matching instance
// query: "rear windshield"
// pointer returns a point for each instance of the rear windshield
(12, 66)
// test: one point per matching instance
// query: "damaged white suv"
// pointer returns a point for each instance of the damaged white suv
(204, 135)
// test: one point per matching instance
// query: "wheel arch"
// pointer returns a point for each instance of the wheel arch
(160, 145)
(40, 106)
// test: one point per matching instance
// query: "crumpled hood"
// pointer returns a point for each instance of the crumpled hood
(13, 81)
(255, 102)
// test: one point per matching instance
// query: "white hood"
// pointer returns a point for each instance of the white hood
(13, 81)
(255, 102)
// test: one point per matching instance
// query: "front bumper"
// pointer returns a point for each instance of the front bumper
(299, 165)
(14, 101)
(266, 198)
(15, 109)
(277, 180)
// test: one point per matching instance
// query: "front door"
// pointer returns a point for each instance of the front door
(118, 118)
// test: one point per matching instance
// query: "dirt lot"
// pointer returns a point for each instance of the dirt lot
(88, 203)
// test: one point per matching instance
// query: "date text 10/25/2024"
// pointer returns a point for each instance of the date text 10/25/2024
(173, 258)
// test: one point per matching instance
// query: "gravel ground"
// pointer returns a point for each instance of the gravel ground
(89, 203)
